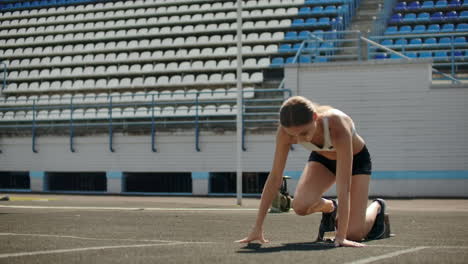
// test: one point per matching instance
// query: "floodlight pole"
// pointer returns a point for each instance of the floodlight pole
(239, 104)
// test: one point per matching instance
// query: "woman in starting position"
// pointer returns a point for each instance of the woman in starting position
(338, 154)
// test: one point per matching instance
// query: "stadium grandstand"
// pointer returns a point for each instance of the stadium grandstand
(139, 97)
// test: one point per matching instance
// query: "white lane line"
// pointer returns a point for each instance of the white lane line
(100, 239)
(57, 251)
(125, 208)
(389, 255)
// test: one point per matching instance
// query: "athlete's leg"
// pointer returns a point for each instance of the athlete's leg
(361, 217)
(315, 180)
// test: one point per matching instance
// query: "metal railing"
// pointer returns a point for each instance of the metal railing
(451, 60)
(5, 73)
(152, 120)
(380, 23)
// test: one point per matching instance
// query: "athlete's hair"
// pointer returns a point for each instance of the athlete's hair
(298, 111)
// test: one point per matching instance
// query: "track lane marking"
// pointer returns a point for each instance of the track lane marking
(389, 255)
(124, 208)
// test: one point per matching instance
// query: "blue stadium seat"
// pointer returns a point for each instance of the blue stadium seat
(310, 22)
(381, 56)
(298, 22)
(305, 59)
(311, 2)
(387, 42)
(330, 9)
(398, 17)
(409, 17)
(415, 41)
(445, 41)
(441, 4)
(440, 55)
(414, 5)
(401, 42)
(318, 33)
(460, 40)
(324, 21)
(430, 41)
(455, 3)
(448, 28)
(437, 16)
(428, 5)
(277, 62)
(451, 15)
(463, 14)
(296, 47)
(465, 3)
(462, 27)
(425, 54)
(395, 56)
(433, 28)
(423, 17)
(401, 6)
(457, 53)
(317, 10)
(303, 35)
(405, 29)
(304, 10)
(391, 30)
(311, 46)
(285, 48)
(289, 60)
(419, 29)
(411, 55)
(291, 35)
(327, 45)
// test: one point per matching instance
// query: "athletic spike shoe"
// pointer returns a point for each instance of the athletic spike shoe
(381, 227)
(328, 222)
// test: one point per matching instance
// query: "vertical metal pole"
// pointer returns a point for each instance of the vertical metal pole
(197, 129)
(153, 147)
(239, 103)
(72, 133)
(34, 128)
(452, 60)
(111, 133)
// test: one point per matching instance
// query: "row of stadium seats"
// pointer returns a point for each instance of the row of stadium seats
(429, 41)
(308, 47)
(127, 97)
(137, 69)
(139, 82)
(416, 5)
(312, 22)
(280, 61)
(320, 10)
(128, 112)
(174, 7)
(141, 57)
(422, 29)
(436, 55)
(427, 17)
(84, 21)
(166, 30)
(130, 44)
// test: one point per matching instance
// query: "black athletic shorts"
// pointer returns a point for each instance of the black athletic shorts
(362, 163)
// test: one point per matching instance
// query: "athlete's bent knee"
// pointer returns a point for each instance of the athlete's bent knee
(303, 209)
(355, 234)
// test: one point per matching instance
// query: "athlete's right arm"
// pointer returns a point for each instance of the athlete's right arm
(272, 185)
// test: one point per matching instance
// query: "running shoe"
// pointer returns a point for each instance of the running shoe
(381, 228)
(328, 222)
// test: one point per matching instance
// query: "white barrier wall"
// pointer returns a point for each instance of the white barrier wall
(416, 135)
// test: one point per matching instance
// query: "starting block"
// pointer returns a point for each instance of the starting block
(282, 201)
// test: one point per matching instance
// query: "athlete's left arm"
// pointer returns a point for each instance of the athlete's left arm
(341, 136)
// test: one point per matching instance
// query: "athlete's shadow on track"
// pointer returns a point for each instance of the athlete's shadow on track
(266, 248)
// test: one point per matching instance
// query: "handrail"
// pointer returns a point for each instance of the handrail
(110, 120)
(407, 58)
